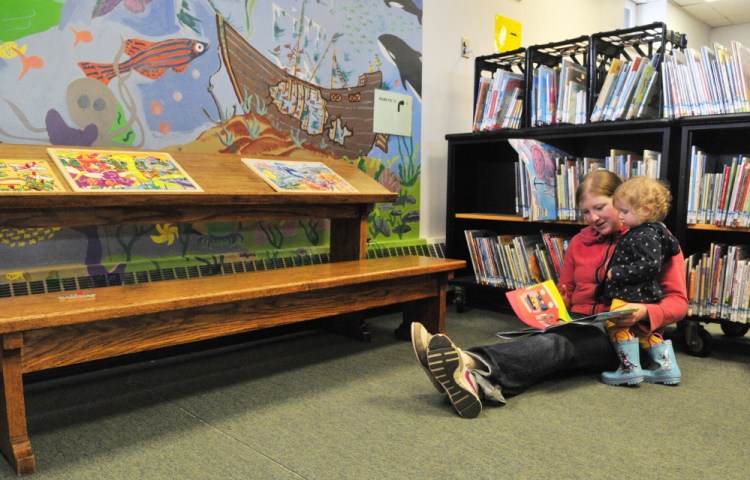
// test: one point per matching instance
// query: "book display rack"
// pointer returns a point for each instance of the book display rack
(559, 73)
(547, 88)
(496, 107)
(650, 42)
(487, 65)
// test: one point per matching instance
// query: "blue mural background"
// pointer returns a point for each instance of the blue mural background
(148, 74)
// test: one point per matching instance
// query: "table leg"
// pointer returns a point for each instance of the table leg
(14, 439)
(430, 312)
(349, 238)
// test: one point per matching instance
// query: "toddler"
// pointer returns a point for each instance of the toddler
(632, 278)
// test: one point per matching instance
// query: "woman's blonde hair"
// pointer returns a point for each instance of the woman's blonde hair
(598, 182)
(648, 197)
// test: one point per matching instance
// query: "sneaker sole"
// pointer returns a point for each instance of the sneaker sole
(665, 381)
(423, 360)
(444, 362)
(627, 381)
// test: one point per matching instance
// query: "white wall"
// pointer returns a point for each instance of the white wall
(724, 35)
(448, 78)
(698, 33)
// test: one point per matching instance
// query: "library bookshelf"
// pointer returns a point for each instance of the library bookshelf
(722, 138)
(481, 190)
(481, 172)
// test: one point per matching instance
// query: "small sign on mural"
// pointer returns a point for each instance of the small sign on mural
(392, 113)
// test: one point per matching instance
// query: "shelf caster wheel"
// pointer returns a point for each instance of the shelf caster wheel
(698, 341)
(734, 329)
(459, 299)
(460, 307)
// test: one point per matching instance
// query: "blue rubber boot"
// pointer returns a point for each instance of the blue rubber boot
(667, 371)
(630, 372)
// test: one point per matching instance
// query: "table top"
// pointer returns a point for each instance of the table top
(230, 190)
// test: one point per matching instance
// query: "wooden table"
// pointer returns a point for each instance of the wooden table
(231, 192)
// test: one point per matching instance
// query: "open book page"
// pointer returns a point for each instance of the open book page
(539, 306)
(542, 308)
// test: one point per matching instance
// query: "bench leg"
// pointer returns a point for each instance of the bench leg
(430, 312)
(14, 440)
(350, 325)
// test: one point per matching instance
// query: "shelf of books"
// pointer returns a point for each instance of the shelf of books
(625, 71)
(708, 80)
(714, 199)
(500, 88)
(643, 72)
(558, 82)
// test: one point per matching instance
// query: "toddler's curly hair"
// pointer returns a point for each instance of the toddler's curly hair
(650, 198)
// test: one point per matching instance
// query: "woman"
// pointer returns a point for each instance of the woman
(509, 368)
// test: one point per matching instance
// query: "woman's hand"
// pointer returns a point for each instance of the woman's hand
(640, 315)
(565, 293)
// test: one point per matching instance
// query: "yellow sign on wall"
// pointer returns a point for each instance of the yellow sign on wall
(507, 34)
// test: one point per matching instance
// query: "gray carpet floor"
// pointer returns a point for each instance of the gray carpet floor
(316, 405)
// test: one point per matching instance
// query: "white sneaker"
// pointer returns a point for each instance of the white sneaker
(420, 339)
(445, 363)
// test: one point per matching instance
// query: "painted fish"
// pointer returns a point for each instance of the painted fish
(407, 6)
(84, 36)
(103, 7)
(150, 59)
(29, 62)
(407, 60)
(11, 49)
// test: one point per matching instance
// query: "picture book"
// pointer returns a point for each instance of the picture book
(28, 176)
(122, 171)
(299, 177)
(542, 308)
(539, 161)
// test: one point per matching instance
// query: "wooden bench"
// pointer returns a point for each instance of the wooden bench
(44, 331)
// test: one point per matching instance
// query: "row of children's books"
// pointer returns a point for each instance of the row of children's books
(717, 283)
(718, 190)
(547, 178)
(708, 81)
(559, 94)
(499, 101)
(515, 261)
(630, 90)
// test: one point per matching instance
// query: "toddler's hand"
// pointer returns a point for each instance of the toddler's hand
(641, 314)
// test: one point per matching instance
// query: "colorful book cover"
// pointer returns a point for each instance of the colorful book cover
(539, 161)
(122, 171)
(28, 176)
(299, 177)
(541, 307)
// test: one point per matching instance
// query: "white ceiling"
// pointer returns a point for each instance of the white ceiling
(717, 13)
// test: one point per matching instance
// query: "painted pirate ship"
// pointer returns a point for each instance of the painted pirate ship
(342, 116)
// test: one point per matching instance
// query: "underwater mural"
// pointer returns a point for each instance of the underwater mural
(288, 78)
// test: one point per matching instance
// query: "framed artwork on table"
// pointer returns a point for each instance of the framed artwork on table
(122, 171)
(299, 177)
